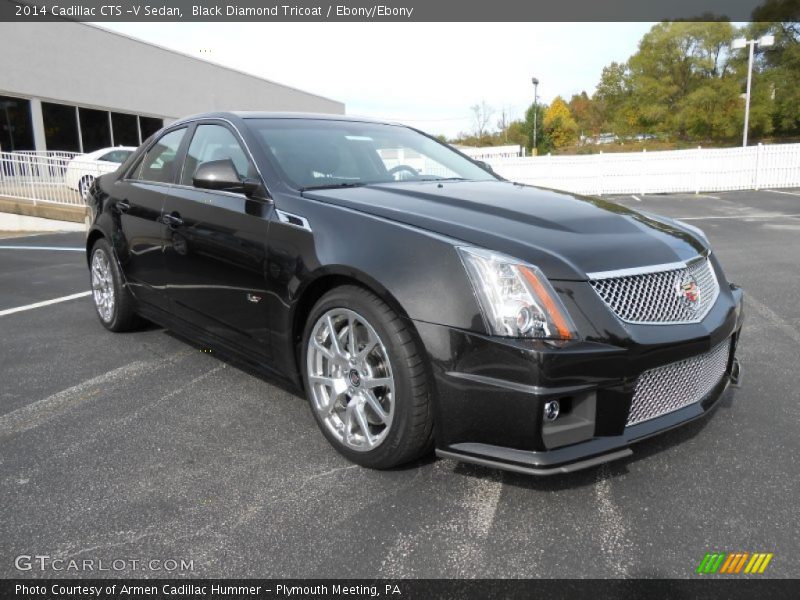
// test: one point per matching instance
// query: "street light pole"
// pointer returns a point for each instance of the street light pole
(535, 108)
(764, 41)
(752, 45)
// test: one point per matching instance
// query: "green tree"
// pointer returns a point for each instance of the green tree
(559, 124)
(777, 75)
(673, 62)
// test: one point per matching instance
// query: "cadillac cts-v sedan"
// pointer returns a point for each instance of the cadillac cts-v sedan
(419, 300)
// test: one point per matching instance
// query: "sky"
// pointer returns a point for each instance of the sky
(427, 75)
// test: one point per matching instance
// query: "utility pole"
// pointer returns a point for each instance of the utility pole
(737, 44)
(535, 109)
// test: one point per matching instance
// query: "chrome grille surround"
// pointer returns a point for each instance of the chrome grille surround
(652, 295)
(666, 389)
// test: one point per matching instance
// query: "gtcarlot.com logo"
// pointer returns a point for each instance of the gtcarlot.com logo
(44, 562)
(734, 563)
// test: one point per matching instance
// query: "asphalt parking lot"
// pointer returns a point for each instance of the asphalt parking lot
(140, 446)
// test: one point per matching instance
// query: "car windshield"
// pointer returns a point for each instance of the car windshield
(318, 153)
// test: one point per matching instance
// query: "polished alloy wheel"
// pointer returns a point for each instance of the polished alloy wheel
(350, 379)
(103, 285)
(84, 186)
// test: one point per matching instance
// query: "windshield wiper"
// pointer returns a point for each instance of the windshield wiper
(441, 179)
(332, 186)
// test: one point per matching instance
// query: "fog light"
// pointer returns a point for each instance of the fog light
(551, 410)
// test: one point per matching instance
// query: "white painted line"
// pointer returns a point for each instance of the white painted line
(11, 311)
(782, 192)
(710, 196)
(57, 248)
(636, 198)
(739, 217)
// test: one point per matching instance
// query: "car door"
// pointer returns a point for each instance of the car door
(139, 199)
(215, 251)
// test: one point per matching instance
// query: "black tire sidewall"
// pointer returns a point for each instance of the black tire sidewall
(357, 300)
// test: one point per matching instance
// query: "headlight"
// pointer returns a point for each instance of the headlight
(516, 298)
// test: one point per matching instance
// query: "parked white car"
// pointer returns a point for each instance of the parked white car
(84, 168)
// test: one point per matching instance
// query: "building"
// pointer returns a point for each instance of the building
(76, 87)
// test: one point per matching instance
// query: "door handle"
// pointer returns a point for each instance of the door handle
(172, 220)
(123, 206)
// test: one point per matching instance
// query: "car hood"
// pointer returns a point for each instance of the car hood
(565, 235)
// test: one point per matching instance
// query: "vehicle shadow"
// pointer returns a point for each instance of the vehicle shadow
(587, 477)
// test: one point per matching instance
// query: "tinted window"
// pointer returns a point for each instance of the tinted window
(16, 131)
(60, 127)
(159, 162)
(322, 153)
(95, 129)
(126, 129)
(211, 143)
(149, 126)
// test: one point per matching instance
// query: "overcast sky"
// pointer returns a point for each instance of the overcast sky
(424, 74)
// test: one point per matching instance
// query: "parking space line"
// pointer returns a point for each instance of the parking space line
(11, 311)
(739, 217)
(56, 248)
(782, 192)
(636, 198)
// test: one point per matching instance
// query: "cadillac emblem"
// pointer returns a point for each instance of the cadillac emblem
(687, 290)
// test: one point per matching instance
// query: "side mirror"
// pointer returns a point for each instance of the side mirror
(218, 175)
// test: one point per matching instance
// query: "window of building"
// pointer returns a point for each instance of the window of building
(95, 129)
(149, 126)
(60, 127)
(159, 162)
(125, 129)
(16, 129)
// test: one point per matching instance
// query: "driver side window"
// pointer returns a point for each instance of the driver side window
(212, 143)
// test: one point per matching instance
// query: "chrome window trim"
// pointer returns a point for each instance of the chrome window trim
(186, 123)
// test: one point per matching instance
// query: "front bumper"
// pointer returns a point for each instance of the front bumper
(491, 391)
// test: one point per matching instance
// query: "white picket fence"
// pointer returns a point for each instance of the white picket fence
(50, 177)
(492, 152)
(696, 170)
(53, 177)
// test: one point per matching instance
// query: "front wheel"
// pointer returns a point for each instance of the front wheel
(366, 380)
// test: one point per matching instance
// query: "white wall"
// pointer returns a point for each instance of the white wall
(80, 64)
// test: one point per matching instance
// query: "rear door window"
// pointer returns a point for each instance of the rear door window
(159, 163)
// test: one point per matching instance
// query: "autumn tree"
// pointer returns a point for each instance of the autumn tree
(559, 124)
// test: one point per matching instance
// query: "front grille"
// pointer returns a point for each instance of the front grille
(665, 389)
(659, 297)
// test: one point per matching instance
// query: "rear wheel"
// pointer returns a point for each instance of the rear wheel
(84, 185)
(365, 379)
(112, 300)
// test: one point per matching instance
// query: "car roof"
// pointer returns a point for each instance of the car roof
(102, 151)
(284, 115)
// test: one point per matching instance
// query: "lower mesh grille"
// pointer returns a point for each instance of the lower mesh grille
(665, 389)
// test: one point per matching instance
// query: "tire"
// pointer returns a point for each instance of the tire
(83, 187)
(112, 299)
(343, 386)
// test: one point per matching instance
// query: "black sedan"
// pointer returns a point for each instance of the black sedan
(419, 300)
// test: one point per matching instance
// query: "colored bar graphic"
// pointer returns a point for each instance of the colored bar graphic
(734, 563)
